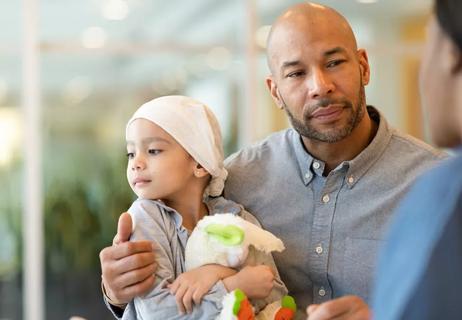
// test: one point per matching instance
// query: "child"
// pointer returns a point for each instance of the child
(175, 167)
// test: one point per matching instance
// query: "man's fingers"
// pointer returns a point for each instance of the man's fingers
(323, 312)
(124, 227)
(127, 249)
(135, 276)
(311, 308)
(348, 307)
(134, 262)
(138, 289)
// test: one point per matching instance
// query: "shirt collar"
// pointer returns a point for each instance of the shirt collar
(356, 167)
(364, 161)
(214, 205)
(304, 158)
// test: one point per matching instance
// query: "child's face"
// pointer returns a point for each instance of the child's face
(158, 166)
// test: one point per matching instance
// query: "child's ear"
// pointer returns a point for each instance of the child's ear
(452, 56)
(199, 171)
(456, 59)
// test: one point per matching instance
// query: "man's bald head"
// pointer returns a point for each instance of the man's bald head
(311, 19)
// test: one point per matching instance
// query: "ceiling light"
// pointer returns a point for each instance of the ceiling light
(76, 90)
(114, 9)
(93, 38)
(367, 1)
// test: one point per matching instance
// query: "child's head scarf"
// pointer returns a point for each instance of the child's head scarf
(194, 126)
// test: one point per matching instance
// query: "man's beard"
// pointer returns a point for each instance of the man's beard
(305, 129)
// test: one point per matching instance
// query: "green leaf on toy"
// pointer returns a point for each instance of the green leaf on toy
(228, 235)
(289, 302)
(240, 296)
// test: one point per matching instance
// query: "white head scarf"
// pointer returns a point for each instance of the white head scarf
(194, 126)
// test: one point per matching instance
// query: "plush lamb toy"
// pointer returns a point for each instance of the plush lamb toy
(225, 239)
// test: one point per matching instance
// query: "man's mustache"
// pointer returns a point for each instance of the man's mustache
(325, 102)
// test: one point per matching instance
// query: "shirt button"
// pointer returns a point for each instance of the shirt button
(325, 198)
(351, 180)
(319, 249)
(308, 176)
(322, 292)
(316, 165)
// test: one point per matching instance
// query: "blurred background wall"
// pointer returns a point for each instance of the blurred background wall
(98, 60)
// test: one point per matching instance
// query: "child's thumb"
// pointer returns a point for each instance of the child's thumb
(124, 228)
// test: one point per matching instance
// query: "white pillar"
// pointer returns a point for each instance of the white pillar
(248, 116)
(32, 222)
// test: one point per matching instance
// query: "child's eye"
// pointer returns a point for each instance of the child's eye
(130, 155)
(154, 151)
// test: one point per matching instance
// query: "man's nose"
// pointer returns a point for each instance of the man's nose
(319, 84)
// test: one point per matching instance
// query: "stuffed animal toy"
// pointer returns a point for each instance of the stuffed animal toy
(225, 239)
(236, 306)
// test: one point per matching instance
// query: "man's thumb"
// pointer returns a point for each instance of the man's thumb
(124, 227)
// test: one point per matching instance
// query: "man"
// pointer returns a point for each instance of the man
(424, 251)
(327, 188)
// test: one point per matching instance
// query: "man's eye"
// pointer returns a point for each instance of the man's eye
(154, 151)
(295, 74)
(130, 155)
(334, 63)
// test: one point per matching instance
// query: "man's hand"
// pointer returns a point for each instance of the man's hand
(128, 268)
(189, 287)
(255, 281)
(344, 308)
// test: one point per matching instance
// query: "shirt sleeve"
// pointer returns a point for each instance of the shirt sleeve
(116, 311)
(257, 257)
(152, 224)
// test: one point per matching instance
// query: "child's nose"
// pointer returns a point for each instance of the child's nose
(138, 163)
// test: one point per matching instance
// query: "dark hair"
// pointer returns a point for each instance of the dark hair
(449, 16)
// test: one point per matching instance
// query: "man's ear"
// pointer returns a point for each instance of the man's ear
(273, 89)
(364, 66)
(199, 171)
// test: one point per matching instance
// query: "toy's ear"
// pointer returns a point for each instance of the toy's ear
(227, 235)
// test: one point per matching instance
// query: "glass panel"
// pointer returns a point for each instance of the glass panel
(11, 163)
(92, 81)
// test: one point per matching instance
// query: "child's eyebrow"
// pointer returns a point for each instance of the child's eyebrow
(149, 140)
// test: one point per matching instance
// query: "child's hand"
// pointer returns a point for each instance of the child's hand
(255, 281)
(192, 285)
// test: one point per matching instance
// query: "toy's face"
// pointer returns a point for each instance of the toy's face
(158, 166)
(228, 238)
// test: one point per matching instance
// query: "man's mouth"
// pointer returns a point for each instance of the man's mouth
(329, 113)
